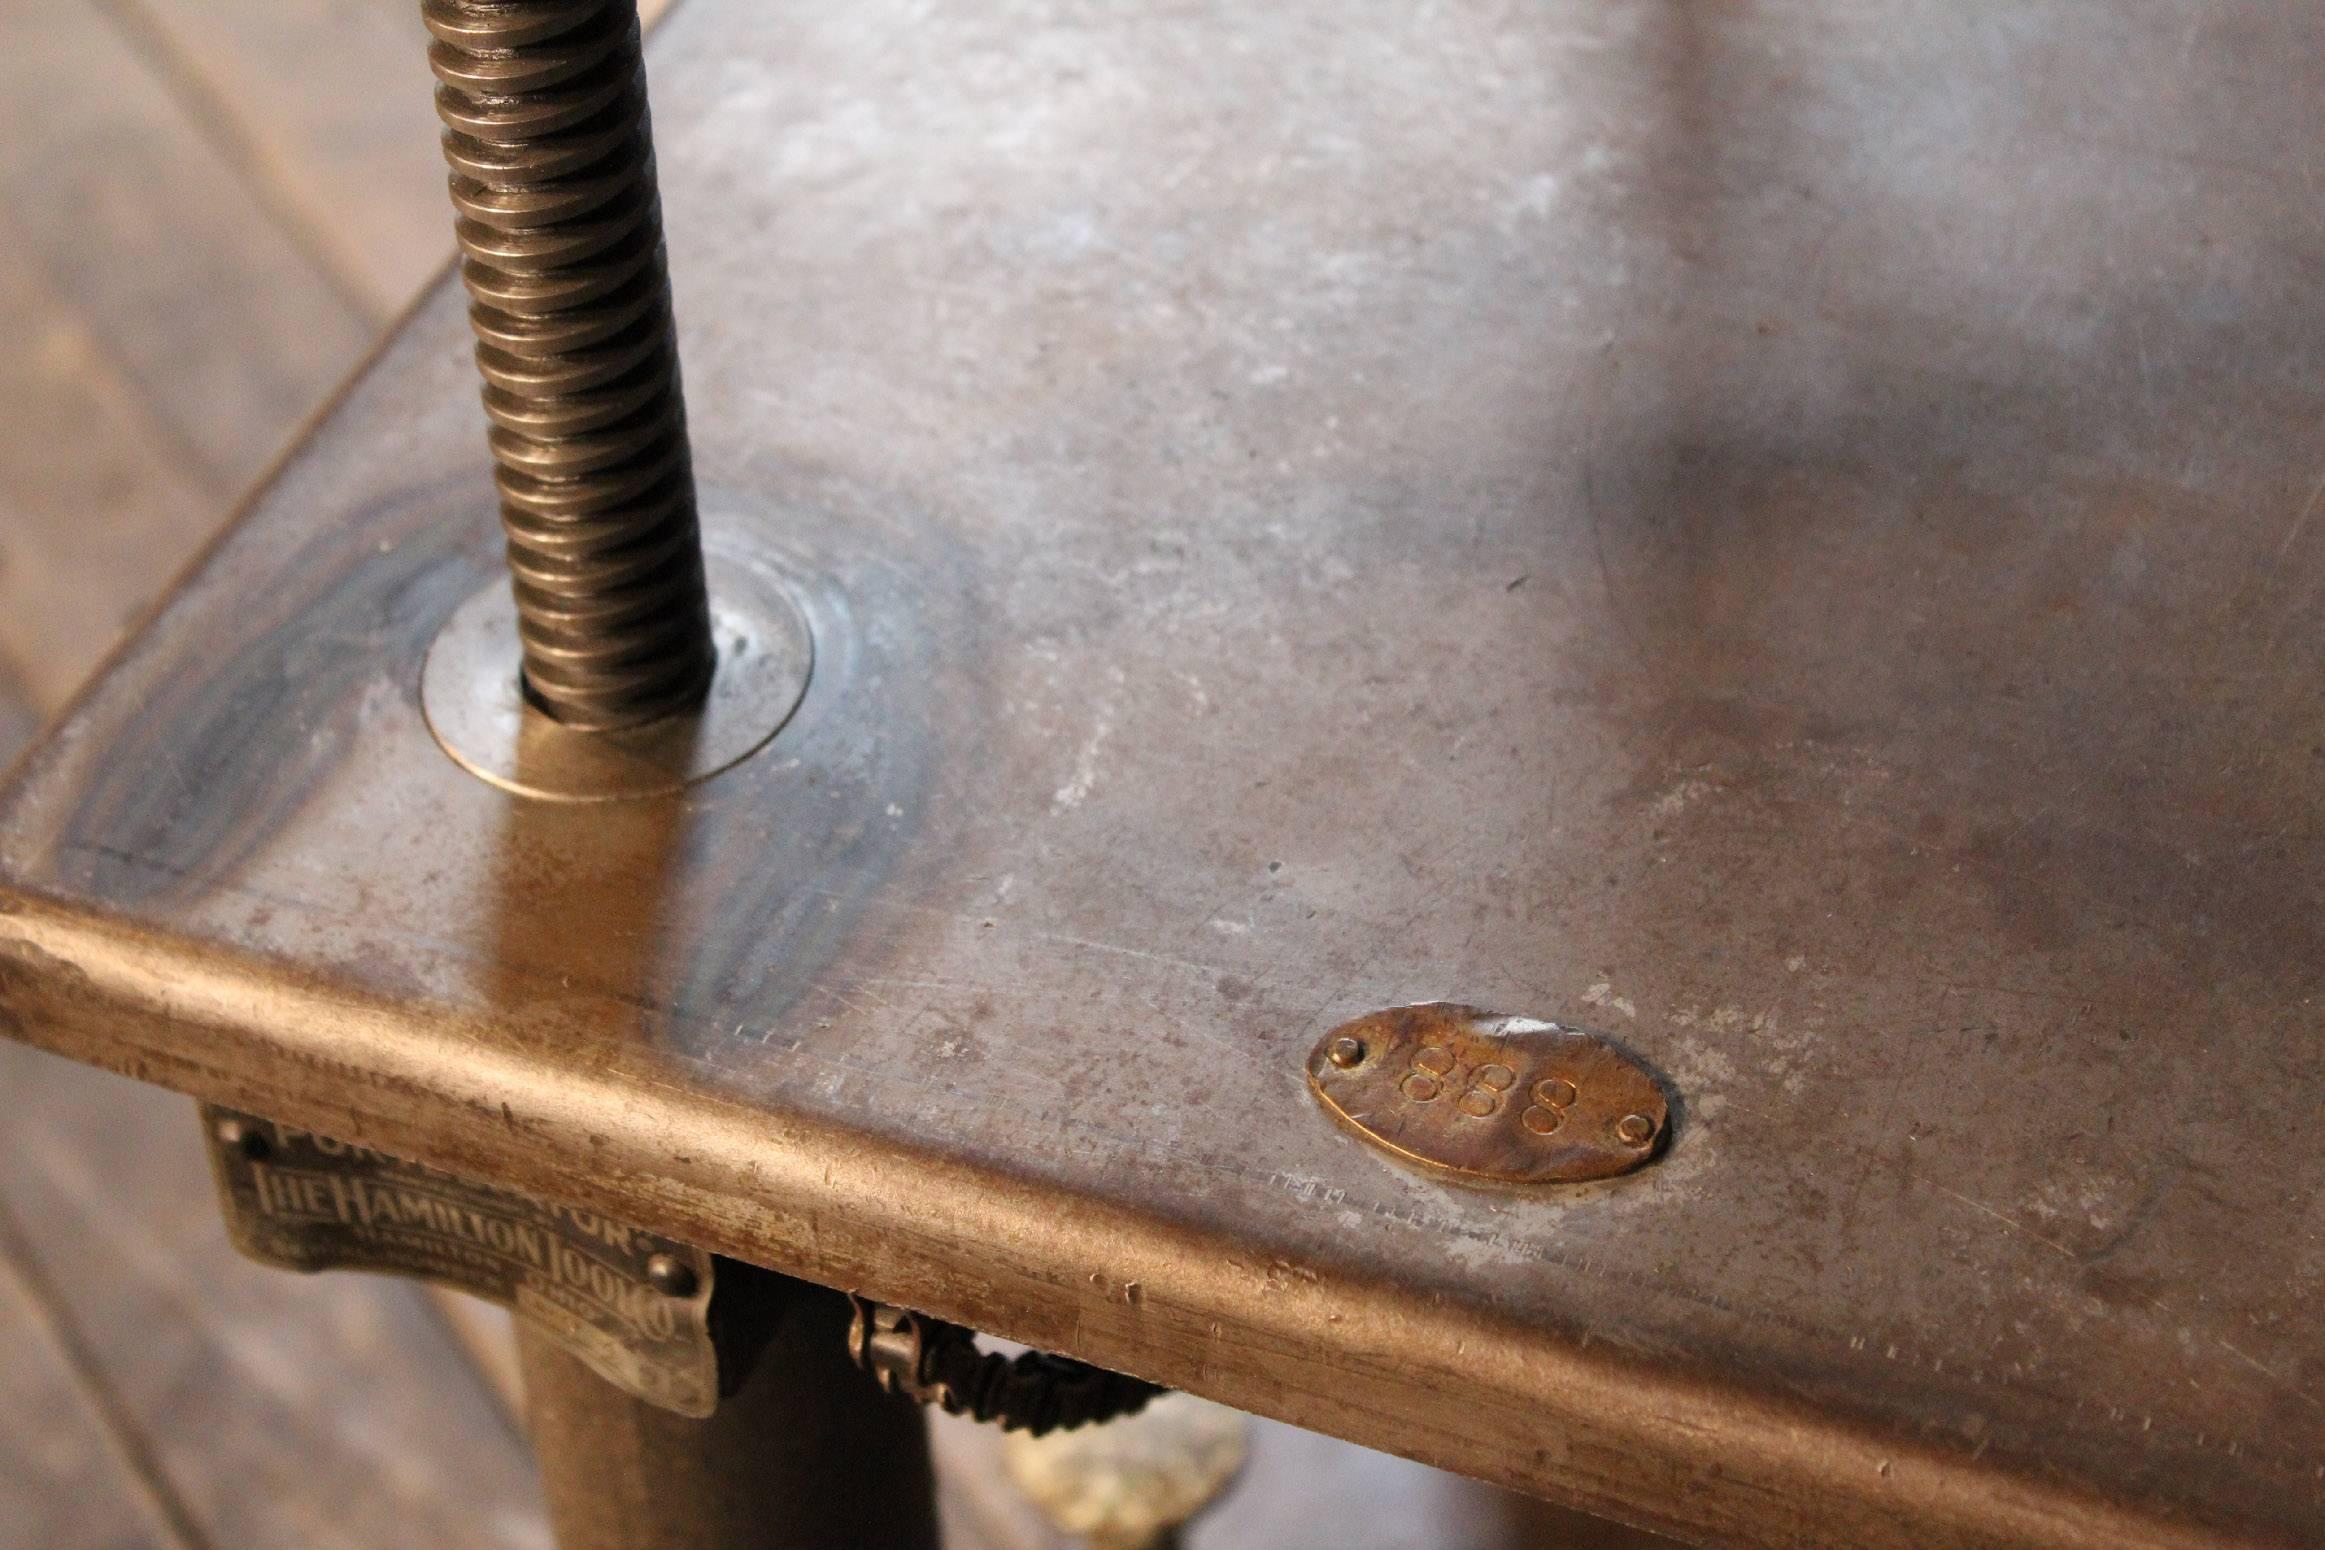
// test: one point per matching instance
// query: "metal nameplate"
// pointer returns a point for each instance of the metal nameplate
(1510, 1099)
(633, 1306)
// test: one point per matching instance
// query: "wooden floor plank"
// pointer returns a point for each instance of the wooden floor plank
(215, 317)
(326, 106)
(289, 1412)
(64, 1481)
(18, 719)
(97, 509)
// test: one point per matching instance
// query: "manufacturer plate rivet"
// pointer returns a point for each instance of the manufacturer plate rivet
(670, 1275)
(1635, 1130)
(242, 1137)
(1347, 1053)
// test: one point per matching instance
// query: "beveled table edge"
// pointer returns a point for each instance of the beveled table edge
(1604, 1430)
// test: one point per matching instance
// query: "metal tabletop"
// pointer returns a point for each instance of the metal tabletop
(1785, 533)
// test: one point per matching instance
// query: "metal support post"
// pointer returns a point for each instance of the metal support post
(810, 1455)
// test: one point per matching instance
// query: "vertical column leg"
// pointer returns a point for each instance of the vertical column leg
(809, 1456)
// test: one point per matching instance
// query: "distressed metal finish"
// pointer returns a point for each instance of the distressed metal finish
(1508, 1099)
(632, 1307)
(1782, 530)
(545, 130)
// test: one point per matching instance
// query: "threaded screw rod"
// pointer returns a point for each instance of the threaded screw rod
(560, 229)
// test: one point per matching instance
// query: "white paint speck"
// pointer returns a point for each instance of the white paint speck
(1535, 197)
(1683, 796)
(1603, 994)
(1078, 786)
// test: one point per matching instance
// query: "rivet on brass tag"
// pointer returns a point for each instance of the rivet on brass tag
(1511, 1099)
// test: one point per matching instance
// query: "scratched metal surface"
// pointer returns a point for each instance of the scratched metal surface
(1784, 532)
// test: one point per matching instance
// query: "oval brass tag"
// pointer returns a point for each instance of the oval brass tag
(1494, 1097)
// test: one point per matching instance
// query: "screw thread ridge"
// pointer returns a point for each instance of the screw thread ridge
(550, 147)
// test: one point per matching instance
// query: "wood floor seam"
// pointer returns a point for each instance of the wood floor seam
(214, 116)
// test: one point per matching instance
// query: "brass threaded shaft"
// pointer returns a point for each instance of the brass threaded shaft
(560, 229)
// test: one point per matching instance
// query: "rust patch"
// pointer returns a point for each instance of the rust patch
(1489, 1096)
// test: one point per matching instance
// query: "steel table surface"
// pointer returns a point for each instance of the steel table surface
(1783, 532)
